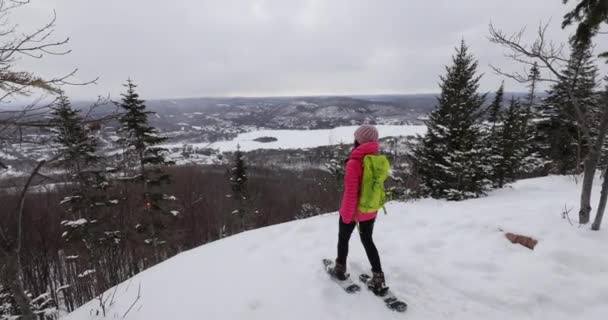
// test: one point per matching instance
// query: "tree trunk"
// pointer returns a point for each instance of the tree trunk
(602, 206)
(15, 283)
(585, 205)
(579, 142)
(591, 163)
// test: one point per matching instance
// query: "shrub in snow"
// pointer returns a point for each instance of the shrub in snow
(308, 210)
(43, 306)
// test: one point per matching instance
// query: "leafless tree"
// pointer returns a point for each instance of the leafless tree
(550, 59)
(14, 44)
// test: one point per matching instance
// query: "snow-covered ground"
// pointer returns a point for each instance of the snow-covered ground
(448, 260)
(302, 139)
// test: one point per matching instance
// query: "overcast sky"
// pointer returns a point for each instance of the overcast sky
(194, 48)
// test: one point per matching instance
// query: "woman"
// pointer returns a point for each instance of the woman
(366, 143)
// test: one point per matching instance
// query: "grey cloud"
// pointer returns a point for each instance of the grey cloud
(278, 47)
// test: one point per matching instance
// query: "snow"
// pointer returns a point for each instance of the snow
(86, 273)
(74, 223)
(301, 139)
(448, 260)
(68, 199)
(62, 288)
(7, 156)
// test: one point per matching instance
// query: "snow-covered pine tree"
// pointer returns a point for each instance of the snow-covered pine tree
(491, 132)
(43, 306)
(510, 138)
(8, 306)
(533, 79)
(533, 163)
(449, 159)
(582, 74)
(76, 144)
(562, 142)
(87, 181)
(88, 226)
(144, 162)
(495, 108)
(396, 148)
(512, 144)
(240, 192)
(334, 163)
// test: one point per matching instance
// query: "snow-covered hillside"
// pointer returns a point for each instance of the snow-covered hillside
(448, 260)
(301, 139)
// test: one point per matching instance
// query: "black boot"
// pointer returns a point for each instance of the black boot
(378, 284)
(339, 271)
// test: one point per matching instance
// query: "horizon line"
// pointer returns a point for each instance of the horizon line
(298, 96)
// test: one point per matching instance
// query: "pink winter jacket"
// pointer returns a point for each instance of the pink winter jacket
(352, 183)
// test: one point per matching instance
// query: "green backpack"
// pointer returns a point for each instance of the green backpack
(372, 194)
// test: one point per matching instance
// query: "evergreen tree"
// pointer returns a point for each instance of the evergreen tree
(398, 187)
(144, 162)
(449, 159)
(238, 184)
(533, 79)
(562, 142)
(8, 306)
(87, 228)
(537, 162)
(511, 140)
(334, 163)
(87, 180)
(492, 136)
(77, 147)
(512, 144)
(43, 306)
(590, 15)
(533, 162)
(496, 106)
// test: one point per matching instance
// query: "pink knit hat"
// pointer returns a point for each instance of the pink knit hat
(366, 133)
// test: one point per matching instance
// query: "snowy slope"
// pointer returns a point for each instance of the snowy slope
(448, 260)
(296, 139)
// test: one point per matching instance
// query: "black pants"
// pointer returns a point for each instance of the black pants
(366, 229)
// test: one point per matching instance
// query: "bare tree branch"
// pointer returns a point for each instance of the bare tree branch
(548, 54)
(519, 77)
(35, 44)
